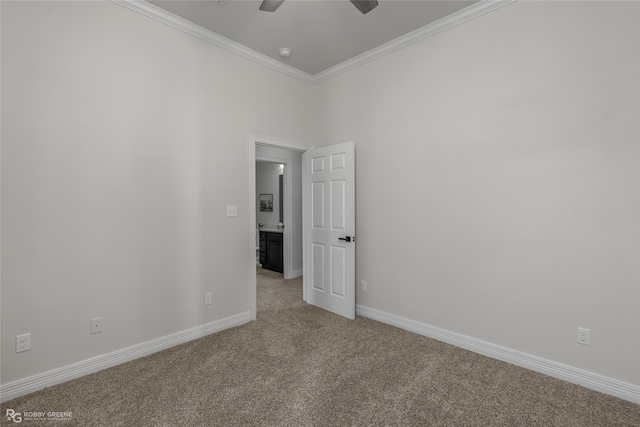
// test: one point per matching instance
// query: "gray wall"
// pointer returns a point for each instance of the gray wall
(123, 141)
(497, 179)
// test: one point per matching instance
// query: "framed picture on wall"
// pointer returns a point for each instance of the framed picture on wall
(266, 202)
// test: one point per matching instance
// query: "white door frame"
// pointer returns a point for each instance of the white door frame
(257, 139)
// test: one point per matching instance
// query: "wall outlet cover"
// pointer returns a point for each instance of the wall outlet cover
(584, 336)
(23, 343)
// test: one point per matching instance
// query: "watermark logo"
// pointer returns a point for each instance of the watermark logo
(14, 416)
(18, 417)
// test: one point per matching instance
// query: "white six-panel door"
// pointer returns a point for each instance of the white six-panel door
(329, 204)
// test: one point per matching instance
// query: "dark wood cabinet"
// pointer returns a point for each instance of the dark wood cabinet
(271, 251)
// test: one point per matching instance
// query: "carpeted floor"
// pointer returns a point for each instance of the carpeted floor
(298, 365)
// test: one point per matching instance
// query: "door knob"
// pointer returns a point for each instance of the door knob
(347, 239)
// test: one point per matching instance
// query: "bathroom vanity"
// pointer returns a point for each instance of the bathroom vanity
(270, 250)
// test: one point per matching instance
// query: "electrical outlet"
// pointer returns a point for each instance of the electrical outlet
(207, 298)
(363, 286)
(23, 343)
(232, 211)
(96, 325)
(584, 336)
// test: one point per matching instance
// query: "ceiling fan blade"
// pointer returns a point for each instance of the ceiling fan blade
(365, 6)
(270, 5)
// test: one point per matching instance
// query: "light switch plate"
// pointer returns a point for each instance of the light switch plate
(232, 211)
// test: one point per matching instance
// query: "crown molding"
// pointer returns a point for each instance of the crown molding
(457, 18)
(202, 33)
(464, 15)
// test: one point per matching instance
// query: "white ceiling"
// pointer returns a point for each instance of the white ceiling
(320, 33)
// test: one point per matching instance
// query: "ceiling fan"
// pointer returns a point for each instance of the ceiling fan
(363, 6)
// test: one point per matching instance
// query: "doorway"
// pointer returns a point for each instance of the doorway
(270, 215)
(275, 150)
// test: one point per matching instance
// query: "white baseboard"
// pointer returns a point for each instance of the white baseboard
(296, 273)
(47, 379)
(568, 373)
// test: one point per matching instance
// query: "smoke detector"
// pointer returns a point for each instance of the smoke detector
(285, 52)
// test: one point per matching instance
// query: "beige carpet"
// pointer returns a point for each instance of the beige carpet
(301, 366)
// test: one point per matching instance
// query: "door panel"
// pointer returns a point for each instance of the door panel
(318, 204)
(317, 266)
(338, 208)
(329, 194)
(338, 270)
(338, 161)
